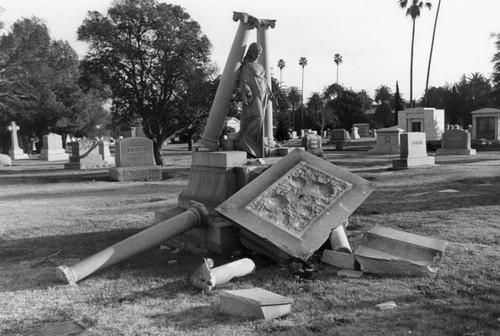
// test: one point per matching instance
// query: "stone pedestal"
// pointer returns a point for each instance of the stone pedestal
(388, 141)
(413, 152)
(52, 148)
(212, 179)
(17, 154)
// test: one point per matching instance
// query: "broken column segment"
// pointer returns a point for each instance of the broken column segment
(193, 217)
(294, 205)
(207, 277)
(387, 251)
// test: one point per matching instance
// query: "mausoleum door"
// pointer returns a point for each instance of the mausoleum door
(486, 128)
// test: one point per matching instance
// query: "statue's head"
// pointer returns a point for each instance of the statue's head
(254, 51)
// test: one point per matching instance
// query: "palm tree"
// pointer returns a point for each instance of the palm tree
(383, 94)
(413, 8)
(302, 63)
(430, 56)
(281, 65)
(314, 104)
(294, 98)
(338, 60)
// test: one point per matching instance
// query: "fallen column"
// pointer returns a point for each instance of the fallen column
(206, 277)
(195, 216)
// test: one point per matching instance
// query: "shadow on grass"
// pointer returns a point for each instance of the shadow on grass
(29, 264)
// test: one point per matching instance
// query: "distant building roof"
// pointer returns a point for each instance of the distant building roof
(487, 110)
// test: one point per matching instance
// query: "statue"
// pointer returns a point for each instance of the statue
(313, 143)
(255, 94)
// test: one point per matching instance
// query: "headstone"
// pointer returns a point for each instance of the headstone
(354, 133)
(106, 153)
(313, 144)
(85, 155)
(456, 142)
(52, 148)
(388, 251)
(363, 129)
(340, 134)
(388, 141)
(413, 152)
(255, 303)
(294, 134)
(134, 161)
(15, 152)
(291, 208)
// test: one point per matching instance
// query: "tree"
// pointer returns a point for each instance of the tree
(413, 8)
(302, 63)
(295, 99)
(383, 116)
(398, 103)
(152, 55)
(496, 71)
(338, 60)
(281, 65)
(430, 55)
(383, 94)
(315, 104)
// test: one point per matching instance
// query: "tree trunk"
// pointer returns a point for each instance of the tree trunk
(190, 143)
(430, 57)
(157, 152)
(412, 103)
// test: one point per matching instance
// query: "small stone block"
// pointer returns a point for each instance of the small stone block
(141, 173)
(255, 303)
(339, 259)
(219, 159)
(413, 162)
(350, 273)
(386, 305)
(283, 151)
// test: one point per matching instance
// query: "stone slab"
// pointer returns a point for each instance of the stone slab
(142, 173)
(383, 250)
(255, 303)
(449, 151)
(413, 162)
(339, 259)
(246, 174)
(86, 165)
(296, 203)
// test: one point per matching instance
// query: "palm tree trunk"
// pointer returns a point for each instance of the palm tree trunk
(302, 102)
(412, 104)
(337, 74)
(430, 57)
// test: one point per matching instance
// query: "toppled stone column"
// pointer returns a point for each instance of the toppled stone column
(206, 277)
(193, 217)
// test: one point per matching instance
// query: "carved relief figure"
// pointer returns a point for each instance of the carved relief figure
(255, 94)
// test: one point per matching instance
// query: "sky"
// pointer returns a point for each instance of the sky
(372, 36)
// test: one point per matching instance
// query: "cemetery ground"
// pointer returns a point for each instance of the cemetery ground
(50, 217)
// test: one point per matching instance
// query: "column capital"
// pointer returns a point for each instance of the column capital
(266, 23)
(247, 19)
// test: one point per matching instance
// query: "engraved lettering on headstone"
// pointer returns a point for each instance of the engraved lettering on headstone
(298, 198)
(138, 149)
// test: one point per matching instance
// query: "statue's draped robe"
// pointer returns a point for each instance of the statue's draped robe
(251, 135)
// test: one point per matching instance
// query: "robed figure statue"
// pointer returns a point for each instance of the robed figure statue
(254, 92)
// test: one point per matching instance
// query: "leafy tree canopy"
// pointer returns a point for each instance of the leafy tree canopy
(153, 57)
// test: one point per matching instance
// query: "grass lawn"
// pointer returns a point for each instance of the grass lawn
(51, 217)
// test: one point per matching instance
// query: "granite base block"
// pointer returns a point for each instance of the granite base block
(413, 162)
(141, 173)
(86, 165)
(456, 151)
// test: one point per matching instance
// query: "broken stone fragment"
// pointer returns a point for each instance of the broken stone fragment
(254, 303)
(386, 305)
(207, 277)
